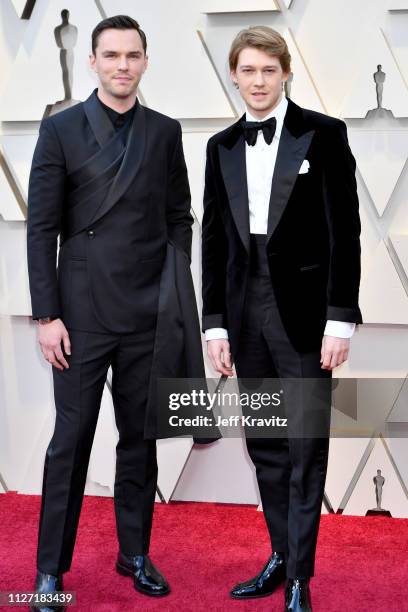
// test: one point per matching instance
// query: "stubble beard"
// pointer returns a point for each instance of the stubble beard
(121, 95)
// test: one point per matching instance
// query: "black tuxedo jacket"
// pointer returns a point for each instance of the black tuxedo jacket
(115, 199)
(313, 243)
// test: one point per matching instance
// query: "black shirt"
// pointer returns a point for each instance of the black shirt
(118, 119)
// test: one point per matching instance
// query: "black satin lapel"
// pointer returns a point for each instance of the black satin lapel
(96, 165)
(132, 160)
(102, 179)
(233, 168)
(291, 153)
(98, 119)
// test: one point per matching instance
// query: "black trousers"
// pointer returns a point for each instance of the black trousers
(291, 470)
(78, 392)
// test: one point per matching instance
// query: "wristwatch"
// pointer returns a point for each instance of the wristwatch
(45, 320)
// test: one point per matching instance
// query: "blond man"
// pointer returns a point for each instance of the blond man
(281, 274)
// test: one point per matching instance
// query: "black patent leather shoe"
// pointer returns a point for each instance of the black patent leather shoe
(147, 579)
(265, 583)
(47, 584)
(297, 596)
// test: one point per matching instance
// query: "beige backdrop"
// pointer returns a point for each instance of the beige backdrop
(336, 47)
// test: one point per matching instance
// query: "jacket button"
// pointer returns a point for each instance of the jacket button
(91, 234)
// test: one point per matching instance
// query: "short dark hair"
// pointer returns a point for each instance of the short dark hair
(118, 22)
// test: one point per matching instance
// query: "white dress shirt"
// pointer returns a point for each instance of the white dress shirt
(260, 165)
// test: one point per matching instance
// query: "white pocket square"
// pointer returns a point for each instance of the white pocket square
(304, 168)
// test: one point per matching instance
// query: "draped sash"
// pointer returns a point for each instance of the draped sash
(97, 185)
(177, 352)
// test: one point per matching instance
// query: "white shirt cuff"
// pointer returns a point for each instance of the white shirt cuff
(339, 329)
(216, 333)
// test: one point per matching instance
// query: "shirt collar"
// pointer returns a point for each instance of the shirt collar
(117, 119)
(279, 112)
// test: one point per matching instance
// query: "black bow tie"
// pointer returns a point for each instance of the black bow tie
(251, 128)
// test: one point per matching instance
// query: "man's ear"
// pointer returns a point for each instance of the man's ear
(286, 76)
(233, 75)
(92, 61)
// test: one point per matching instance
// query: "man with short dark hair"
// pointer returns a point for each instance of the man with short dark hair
(109, 178)
(281, 272)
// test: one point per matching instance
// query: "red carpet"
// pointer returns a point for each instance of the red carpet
(203, 549)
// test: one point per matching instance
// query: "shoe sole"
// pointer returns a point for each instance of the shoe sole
(238, 597)
(124, 571)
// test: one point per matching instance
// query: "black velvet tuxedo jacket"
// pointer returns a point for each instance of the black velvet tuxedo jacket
(116, 199)
(313, 243)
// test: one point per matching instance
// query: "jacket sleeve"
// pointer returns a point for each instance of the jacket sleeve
(178, 215)
(342, 212)
(45, 202)
(214, 255)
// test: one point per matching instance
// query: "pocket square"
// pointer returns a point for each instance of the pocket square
(304, 168)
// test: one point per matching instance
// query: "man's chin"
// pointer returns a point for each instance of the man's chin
(262, 105)
(122, 94)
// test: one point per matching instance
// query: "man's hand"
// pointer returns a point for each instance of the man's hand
(334, 352)
(220, 356)
(51, 336)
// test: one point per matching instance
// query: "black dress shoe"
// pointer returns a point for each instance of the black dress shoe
(265, 583)
(147, 579)
(47, 584)
(297, 595)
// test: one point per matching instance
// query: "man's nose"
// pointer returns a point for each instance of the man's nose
(259, 78)
(123, 63)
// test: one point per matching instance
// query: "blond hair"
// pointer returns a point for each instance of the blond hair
(263, 38)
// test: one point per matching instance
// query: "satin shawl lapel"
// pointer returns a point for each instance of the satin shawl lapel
(91, 174)
(99, 121)
(90, 183)
(132, 160)
(292, 150)
(94, 199)
(233, 168)
(110, 142)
